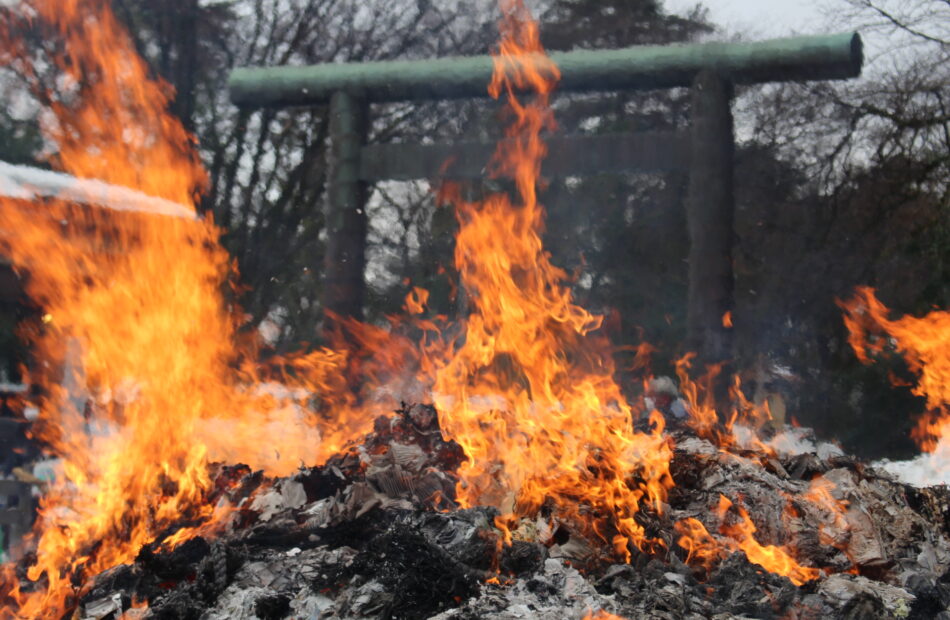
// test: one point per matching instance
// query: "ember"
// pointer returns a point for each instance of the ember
(529, 487)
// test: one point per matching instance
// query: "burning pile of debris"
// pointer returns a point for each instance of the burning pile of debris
(528, 493)
(376, 533)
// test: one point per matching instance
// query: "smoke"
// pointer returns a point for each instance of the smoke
(926, 470)
(789, 441)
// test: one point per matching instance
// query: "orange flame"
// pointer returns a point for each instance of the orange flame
(721, 427)
(834, 510)
(136, 324)
(701, 547)
(416, 300)
(530, 394)
(739, 532)
(138, 341)
(925, 344)
(774, 559)
(602, 615)
(136, 317)
(703, 417)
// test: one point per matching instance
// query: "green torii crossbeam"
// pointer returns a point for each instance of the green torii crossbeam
(663, 66)
(709, 69)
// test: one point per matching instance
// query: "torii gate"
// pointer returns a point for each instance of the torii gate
(706, 151)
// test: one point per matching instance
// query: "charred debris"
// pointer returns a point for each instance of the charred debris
(376, 533)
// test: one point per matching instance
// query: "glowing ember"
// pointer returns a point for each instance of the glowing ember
(602, 615)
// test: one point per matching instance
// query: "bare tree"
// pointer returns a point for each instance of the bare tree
(898, 110)
(267, 168)
(845, 184)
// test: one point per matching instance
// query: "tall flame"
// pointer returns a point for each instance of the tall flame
(925, 344)
(529, 393)
(141, 371)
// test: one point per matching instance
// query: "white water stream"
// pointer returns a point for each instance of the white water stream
(28, 183)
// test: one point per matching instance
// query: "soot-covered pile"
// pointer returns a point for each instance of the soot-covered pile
(375, 533)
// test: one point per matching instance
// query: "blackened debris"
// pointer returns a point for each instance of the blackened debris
(421, 578)
(272, 607)
(376, 533)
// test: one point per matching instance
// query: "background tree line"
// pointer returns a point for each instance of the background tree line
(838, 184)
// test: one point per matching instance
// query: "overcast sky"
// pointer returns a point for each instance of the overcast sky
(761, 17)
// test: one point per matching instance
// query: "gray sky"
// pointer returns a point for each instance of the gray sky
(764, 19)
(761, 17)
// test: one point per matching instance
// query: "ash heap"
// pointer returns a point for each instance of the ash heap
(375, 533)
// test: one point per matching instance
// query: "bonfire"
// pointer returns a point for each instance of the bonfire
(515, 481)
